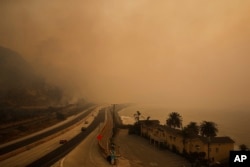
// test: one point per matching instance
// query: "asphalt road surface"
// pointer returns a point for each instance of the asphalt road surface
(86, 154)
(27, 157)
(57, 154)
(137, 152)
(27, 141)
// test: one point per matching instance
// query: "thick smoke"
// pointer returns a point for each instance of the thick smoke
(185, 54)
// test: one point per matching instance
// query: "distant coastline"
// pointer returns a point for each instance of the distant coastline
(233, 124)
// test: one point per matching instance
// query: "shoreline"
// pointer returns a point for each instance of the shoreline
(127, 119)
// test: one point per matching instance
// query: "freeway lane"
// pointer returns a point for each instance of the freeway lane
(50, 144)
(60, 152)
(86, 154)
(28, 141)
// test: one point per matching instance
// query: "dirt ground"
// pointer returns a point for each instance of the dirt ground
(137, 152)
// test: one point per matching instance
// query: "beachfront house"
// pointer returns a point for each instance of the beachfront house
(174, 139)
(216, 149)
(147, 126)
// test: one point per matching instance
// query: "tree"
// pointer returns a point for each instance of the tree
(174, 120)
(192, 129)
(243, 147)
(208, 129)
(136, 129)
(137, 116)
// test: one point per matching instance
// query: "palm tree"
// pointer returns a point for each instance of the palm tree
(192, 129)
(137, 116)
(174, 120)
(208, 129)
(243, 147)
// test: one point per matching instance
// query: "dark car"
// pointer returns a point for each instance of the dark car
(63, 141)
(83, 129)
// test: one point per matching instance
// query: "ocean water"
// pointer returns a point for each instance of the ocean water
(235, 124)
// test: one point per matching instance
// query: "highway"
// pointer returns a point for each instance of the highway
(55, 155)
(82, 148)
(8, 148)
(106, 133)
(32, 154)
(85, 154)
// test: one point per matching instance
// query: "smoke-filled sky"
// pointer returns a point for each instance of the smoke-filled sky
(185, 54)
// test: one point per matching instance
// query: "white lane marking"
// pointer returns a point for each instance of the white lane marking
(61, 163)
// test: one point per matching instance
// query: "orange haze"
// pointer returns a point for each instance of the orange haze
(185, 54)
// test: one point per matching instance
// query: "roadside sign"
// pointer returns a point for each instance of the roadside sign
(99, 137)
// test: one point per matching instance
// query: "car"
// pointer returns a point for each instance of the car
(63, 141)
(83, 129)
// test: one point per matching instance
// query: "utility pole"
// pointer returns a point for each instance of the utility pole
(208, 149)
(114, 113)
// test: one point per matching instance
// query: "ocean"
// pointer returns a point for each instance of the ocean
(234, 124)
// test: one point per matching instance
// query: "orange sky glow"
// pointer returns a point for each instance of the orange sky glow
(185, 54)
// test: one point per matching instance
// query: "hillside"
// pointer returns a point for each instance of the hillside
(24, 95)
(20, 86)
(27, 102)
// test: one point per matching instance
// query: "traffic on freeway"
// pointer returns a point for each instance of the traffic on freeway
(33, 153)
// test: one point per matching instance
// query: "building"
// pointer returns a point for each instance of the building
(216, 149)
